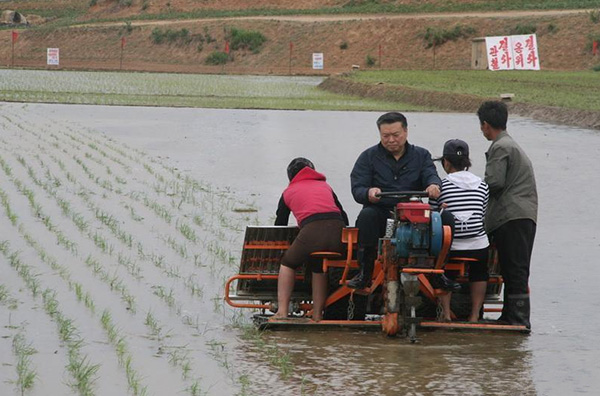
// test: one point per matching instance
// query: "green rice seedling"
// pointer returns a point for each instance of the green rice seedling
(158, 260)
(172, 272)
(166, 297)
(160, 210)
(3, 294)
(80, 222)
(194, 287)
(108, 326)
(195, 389)
(133, 379)
(217, 303)
(187, 231)
(102, 244)
(121, 348)
(120, 180)
(134, 215)
(12, 216)
(65, 206)
(153, 325)
(149, 169)
(198, 221)
(179, 249)
(25, 373)
(244, 381)
(5, 167)
(84, 373)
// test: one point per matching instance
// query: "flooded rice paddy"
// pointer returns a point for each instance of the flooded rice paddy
(119, 227)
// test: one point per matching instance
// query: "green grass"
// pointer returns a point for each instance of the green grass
(178, 90)
(575, 90)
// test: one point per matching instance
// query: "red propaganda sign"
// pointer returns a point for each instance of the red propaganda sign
(513, 52)
(15, 36)
(122, 42)
(227, 47)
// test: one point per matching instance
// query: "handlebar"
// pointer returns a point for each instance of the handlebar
(402, 194)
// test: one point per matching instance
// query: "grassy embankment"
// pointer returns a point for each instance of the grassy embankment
(179, 90)
(70, 15)
(572, 90)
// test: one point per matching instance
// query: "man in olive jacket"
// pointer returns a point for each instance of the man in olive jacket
(512, 211)
(391, 165)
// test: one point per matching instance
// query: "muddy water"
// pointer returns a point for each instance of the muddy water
(245, 152)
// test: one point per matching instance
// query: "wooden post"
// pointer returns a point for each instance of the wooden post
(13, 38)
(290, 64)
(121, 59)
(433, 54)
(379, 56)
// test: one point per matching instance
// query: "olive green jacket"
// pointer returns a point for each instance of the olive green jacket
(509, 175)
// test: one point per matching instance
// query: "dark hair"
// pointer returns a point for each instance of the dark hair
(458, 162)
(297, 165)
(493, 112)
(391, 118)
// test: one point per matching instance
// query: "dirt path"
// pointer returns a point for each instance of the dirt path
(353, 17)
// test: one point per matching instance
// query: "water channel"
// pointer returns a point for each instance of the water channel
(245, 152)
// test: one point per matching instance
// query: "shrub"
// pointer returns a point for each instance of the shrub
(93, 3)
(344, 46)
(246, 39)
(596, 68)
(437, 36)
(157, 36)
(145, 5)
(595, 16)
(217, 58)
(183, 36)
(128, 27)
(370, 60)
(125, 3)
(552, 28)
(526, 28)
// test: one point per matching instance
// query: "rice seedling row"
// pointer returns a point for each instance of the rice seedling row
(199, 222)
(196, 290)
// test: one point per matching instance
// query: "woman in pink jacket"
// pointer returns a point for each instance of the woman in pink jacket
(321, 218)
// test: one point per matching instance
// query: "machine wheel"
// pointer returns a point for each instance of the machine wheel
(339, 309)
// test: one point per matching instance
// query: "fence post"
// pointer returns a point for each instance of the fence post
(290, 64)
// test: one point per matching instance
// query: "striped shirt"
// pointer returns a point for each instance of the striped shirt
(467, 197)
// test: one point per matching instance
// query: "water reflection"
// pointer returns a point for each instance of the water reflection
(357, 363)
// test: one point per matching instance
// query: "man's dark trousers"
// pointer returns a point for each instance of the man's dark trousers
(514, 241)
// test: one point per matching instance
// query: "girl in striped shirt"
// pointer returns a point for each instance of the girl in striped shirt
(466, 196)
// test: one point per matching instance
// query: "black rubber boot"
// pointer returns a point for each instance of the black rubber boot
(518, 310)
(366, 261)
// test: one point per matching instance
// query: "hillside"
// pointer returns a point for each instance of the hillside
(163, 35)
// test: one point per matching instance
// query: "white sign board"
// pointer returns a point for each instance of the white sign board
(53, 56)
(525, 52)
(512, 52)
(499, 52)
(318, 61)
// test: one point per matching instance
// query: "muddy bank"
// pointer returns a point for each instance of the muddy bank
(460, 102)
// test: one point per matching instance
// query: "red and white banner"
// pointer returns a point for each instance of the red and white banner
(525, 52)
(512, 52)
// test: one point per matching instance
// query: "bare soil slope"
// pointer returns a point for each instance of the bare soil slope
(562, 43)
